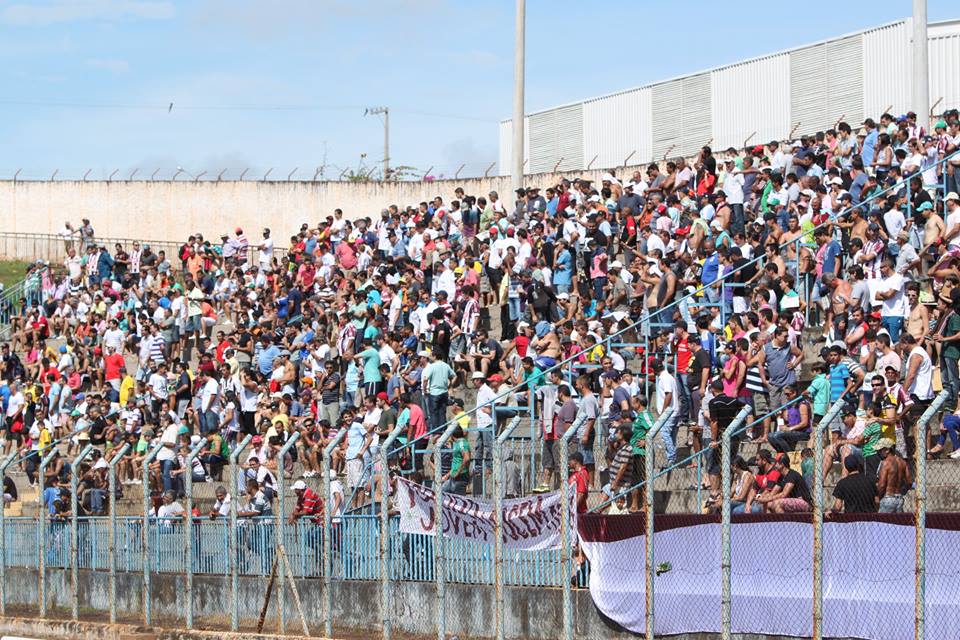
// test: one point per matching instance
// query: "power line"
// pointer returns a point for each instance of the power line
(4, 102)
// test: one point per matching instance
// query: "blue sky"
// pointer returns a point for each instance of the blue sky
(85, 84)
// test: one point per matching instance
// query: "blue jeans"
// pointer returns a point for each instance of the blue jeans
(169, 484)
(669, 436)
(436, 410)
(209, 422)
(949, 372)
(737, 220)
(951, 423)
(893, 325)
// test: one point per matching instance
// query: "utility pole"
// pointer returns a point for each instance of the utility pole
(518, 86)
(385, 111)
(921, 78)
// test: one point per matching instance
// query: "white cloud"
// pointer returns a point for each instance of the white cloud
(59, 11)
(109, 64)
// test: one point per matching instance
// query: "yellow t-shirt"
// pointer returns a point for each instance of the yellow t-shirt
(126, 388)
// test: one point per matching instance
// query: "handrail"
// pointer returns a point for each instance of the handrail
(10, 459)
(386, 592)
(325, 471)
(188, 526)
(232, 537)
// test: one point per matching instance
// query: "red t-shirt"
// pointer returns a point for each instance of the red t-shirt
(767, 480)
(580, 480)
(522, 342)
(113, 364)
(683, 355)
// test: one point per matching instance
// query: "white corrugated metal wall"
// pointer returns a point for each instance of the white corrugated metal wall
(751, 98)
(854, 77)
(667, 121)
(556, 136)
(697, 119)
(506, 145)
(944, 58)
(617, 127)
(887, 60)
(826, 83)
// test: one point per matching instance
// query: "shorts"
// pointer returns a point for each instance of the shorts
(587, 453)
(793, 505)
(354, 472)
(551, 454)
(715, 461)
(891, 504)
(761, 405)
(192, 324)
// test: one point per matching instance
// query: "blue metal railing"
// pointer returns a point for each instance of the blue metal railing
(354, 538)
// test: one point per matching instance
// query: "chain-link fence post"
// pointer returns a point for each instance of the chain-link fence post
(498, 525)
(649, 567)
(818, 516)
(325, 471)
(386, 592)
(232, 534)
(75, 532)
(439, 570)
(112, 533)
(3, 540)
(920, 514)
(188, 530)
(281, 521)
(726, 454)
(42, 536)
(145, 537)
(566, 549)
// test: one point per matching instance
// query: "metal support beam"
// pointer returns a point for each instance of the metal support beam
(498, 526)
(75, 531)
(232, 534)
(188, 528)
(726, 617)
(112, 539)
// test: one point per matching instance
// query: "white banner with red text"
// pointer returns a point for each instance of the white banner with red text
(868, 574)
(530, 523)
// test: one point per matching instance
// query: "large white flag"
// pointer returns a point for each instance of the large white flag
(530, 523)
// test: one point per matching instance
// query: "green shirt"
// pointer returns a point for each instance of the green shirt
(461, 447)
(819, 390)
(806, 468)
(437, 375)
(371, 365)
(641, 426)
(952, 349)
(871, 435)
(533, 379)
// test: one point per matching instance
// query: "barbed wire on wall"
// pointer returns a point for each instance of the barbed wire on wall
(322, 173)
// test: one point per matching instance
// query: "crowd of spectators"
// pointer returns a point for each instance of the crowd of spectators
(459, 308)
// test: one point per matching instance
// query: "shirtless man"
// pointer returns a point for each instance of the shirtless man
(855, 225)
(792, 233)
(840, 297)
(933, 230)
(547, 348)
(893, 477)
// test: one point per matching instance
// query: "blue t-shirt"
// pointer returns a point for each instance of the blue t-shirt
(563, 274)
(839, 374)
(371, 365)
(830, 256)
(711, 267)
(267, 356)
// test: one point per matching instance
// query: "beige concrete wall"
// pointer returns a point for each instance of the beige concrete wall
(172, 210)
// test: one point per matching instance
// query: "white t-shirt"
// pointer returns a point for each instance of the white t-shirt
(666, 383)
(733, 187)
(953, 220)
(897, 305)
(266, 253)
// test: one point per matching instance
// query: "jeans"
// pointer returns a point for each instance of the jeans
(712, 295)
(96, 500)
(950, 375)
(784, 441)
(737, 221)
(951, 423)
(436, 410)
(669, 436)
(684, 397)
(166, 466)
(893, 325)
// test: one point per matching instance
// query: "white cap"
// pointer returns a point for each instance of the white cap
(299, 485)
(836, 180)
(952, 196)
(616, 264)
(563, 296)
(478, 375)
(594, 199)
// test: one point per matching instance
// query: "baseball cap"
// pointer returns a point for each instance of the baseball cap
(299, 485)
(383, 396)
(496, 378)
(478, 375)
(952, 196)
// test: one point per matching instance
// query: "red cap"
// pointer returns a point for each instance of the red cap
(495, 378)
(382, 396)
(238, 230)
(494, 231)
